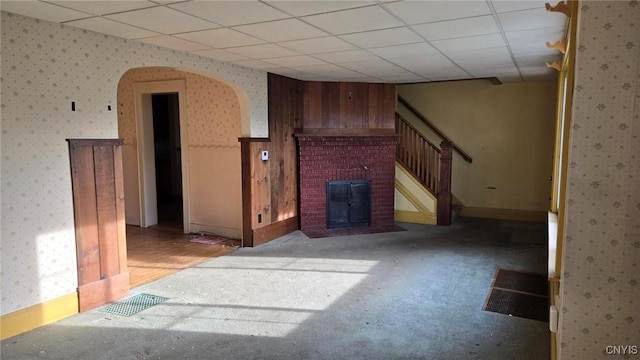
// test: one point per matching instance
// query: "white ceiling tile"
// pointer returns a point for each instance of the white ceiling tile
(302, 8)
(220, 55)
(281, 30)
(346, 56)
(405, 50)
(263, 51)
(454, 74)
(386, 37)
(329, 70)
(220, 38)
(44, 11)
(229, 13)
(469, 43)
(105, 7)
(374, 67)
(405, 77)
(421, 64)
(482, 57)
(530, 19)
(318, 45)
(486, 71)
(106, 26)
(420, 12)
(163, 20)
(254, 64)
(354, 20)
(537, 60)
(285, 71)
(534, 41)
(502, 6)
(293, 61)
(450, 29)
(173, 43)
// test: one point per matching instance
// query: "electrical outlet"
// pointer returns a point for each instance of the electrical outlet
(259, 218)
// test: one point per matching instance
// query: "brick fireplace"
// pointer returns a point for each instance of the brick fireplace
(346, 158)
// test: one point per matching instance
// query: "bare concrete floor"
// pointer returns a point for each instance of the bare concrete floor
(415, 294)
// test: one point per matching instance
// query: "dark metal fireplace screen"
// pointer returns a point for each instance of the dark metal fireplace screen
(348, 203)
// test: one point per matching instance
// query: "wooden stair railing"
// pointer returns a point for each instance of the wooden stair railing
(444, 137)
(419, 156)
(428, 164)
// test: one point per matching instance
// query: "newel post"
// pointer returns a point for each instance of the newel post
(444, 191)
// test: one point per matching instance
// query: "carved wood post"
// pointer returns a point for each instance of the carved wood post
(444, 192)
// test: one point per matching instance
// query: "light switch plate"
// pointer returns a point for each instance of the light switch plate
(265, 155)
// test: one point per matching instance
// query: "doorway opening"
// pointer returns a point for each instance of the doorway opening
(167, 156)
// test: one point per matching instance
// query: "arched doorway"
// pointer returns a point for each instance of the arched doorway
(206, 152)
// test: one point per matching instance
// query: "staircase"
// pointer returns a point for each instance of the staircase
(423, 173)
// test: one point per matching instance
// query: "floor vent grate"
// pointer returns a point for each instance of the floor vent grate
(519, 294)
(134, 304)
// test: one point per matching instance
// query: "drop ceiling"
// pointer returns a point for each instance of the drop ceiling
(363, 41)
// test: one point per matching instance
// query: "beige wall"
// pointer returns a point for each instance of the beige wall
(213, 128)
(600, 281)
(507, 129)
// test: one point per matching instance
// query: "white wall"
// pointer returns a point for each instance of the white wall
(45, 67)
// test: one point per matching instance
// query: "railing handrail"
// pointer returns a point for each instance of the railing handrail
(418, 133)
(435, 129)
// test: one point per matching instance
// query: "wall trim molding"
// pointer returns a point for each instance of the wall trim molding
(505, 214)
(415, 217)
(274, 230)
(38, 315)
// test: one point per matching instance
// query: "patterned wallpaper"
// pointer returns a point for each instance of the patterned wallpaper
(45, 67)
(213, 128)
(213, 111)
(600, 285)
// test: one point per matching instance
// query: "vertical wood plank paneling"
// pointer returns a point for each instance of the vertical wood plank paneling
(247, 195)
(121, 226)
(97, 180)
(330, 99)
(106, 205)
(312, 103)
(86, 214)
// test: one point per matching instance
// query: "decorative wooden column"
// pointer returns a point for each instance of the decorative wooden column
(444, 192)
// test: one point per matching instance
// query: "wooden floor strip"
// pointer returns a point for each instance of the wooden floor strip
(154, 253)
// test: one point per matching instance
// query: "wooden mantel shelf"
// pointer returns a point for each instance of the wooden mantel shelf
(344, 132)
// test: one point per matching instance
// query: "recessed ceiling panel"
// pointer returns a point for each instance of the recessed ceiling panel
(420, 12)
(406, 50)
(281, 30)
(450, 29)
(106, 26)
(293, 61)
(531, 19)
(220, 38)
(263, 51)
(163, 20)
(302, 8)
(374, 67)
(229, 13)
(492, 57)
(386, 37)
(104, 7)
(534, 41)
(220, 55)
(354, 20)
(502, 6)
(318, 45)
(341, 57)
(469, 43)
(255, 64)
(44, 11)
(173, 43)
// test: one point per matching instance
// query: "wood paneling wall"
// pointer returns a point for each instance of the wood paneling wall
(98, 202)
(270, 188)
(342, 105)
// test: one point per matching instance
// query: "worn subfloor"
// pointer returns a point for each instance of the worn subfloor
(415, 294)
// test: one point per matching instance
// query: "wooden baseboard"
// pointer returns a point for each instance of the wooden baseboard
(38, 315)
(505, 214)
(415, 217)
(103, 292)
(274, 230)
